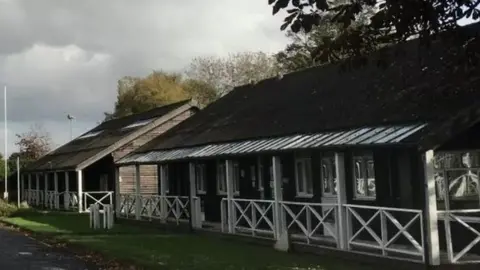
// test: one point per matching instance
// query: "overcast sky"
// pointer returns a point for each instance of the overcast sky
(65, 56)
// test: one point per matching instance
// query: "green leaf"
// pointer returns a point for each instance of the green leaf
(296, 3)
(290, 11)
(322, 4)
(279, 5)
(271, 2)
(284, 26)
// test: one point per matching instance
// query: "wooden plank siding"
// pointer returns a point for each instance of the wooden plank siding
(149, 173)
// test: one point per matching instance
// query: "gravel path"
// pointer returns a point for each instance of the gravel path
(18, 251)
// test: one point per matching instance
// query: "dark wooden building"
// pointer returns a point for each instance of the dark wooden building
(352, 159)
(82, 171)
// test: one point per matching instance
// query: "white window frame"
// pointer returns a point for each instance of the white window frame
(365, 159)
(331, 178)
(200, 178)
(306, 163)
(222, 178)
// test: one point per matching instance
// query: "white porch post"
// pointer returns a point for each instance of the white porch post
(66, 197)
(344, 230)
(22, 187)
(281, 231)
(37, 179)
(138, 199)
(55, 187)
(431, 209)
(29, 193)
(230, 205)
(80, 190)
(45, 192)
(163, 192)
(117, 191)
(195, 211)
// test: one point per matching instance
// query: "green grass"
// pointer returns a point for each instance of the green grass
(156, 250)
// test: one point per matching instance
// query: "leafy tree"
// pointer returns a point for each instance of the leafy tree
(393, 21)
(225, 73)
(135, 95)
(34, 143)
(304, 49)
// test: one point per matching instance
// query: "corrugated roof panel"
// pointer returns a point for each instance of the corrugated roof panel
(253, 146)
(377, 135)
(384, 133)
(240, 147)
(339, 138)
(299, 142)
(358, 132)
(409, 133)
(315, 140)
(365, 136)
(280, 145)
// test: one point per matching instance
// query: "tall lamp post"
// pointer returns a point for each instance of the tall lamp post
(70, 119)
(5, 193)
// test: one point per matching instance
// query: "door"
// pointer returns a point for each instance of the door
(329, 192)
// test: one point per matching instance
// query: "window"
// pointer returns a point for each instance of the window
(329, 176)
(200, 178)
(364, 176)
(166, 177)
(260, 177)
(236, 178)
(303, 177)
(459, 171)
(222, 178)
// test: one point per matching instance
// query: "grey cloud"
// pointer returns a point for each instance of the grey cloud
(65, 56)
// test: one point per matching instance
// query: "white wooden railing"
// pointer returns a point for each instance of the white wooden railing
(127, 205)
(70, 200)
(464, 220)
(255, 217)
(311, 221)
(50, 199)
(164, 208)
(101, 198)
(35, 197)
(383, 225)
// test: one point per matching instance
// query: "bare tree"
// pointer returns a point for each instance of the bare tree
(34, 143)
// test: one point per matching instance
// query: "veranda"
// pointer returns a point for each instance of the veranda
(388, 202)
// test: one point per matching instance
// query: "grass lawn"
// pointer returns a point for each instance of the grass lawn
(153, 249)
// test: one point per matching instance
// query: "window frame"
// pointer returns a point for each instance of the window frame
(306, 164)
(332, 177)
(235, 180)
(200, 184)
(167, 179)
(366, 158)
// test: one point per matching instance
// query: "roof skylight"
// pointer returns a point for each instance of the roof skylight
(138, 124)
(90, 134)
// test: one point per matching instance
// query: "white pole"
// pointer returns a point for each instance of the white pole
(5, 194)
(18, 181)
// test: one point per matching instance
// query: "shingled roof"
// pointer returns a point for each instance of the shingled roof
(107, 137)
(424, 85)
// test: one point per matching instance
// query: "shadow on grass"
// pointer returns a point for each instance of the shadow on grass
(153, 249)
(69, 223)
(201, 252)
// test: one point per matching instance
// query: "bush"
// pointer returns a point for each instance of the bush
(7, 209)
(10, 210)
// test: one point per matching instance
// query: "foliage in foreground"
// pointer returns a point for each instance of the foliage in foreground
(11, 210)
